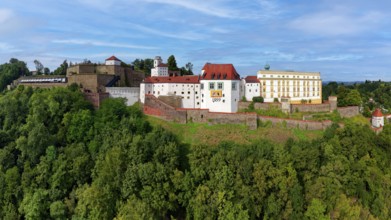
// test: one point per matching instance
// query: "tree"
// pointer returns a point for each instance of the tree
(46, 71)
(171, 62)
(189, 68)
(38, 66)
(353, 98)
(62, 69)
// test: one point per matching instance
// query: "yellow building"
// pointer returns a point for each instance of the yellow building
(300, 87)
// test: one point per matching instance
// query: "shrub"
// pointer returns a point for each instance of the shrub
(258, 99)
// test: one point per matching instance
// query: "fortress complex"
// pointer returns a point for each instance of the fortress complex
(219, 87)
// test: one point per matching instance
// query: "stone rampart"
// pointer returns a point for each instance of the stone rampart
(156, 107)
(325, 107)
(95, 98)
(131, 94)
(293, 123)
(348, 112)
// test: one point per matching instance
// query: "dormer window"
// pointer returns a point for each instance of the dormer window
(213, 75)
(225, 76)
(219, 76)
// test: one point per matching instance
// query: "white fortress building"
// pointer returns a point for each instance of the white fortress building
(219, 87)
(159, 68)
(298, 86)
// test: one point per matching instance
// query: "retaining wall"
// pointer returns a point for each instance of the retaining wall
(348, 112)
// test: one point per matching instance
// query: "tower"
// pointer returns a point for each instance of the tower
(157, 61)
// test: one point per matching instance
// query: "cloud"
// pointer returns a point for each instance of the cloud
(5, 15)
(181, 35)
(203, 7)
(337, 22)
(101, 44)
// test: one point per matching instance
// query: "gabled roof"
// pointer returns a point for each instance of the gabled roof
(251, 79)
(113, 58)
(219, 72)
(174, 79)
(377, 113)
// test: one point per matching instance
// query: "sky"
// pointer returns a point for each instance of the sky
(347, 40)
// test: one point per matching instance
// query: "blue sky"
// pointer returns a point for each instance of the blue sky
(344, 40)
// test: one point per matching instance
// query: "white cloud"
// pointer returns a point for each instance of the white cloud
(182, 35)
(5, 15)
(101, 44)
(337, 22)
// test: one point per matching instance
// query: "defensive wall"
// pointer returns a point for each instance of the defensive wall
(95, 98)
(131, 94)
(156, 107)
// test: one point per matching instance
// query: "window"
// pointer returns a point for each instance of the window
(188, 92)
(234, 86)
(220, 85)
(211, 85)
(196, 92)
(202, 86)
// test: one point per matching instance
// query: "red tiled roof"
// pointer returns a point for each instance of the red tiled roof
(219, 71)
(162, 65)
(251, 79)
(113, 58)
(377, 113)
(175, 79)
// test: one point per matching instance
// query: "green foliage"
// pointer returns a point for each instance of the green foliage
(62, 69)
(61, 159)
(171, 62)
(143, 65)
(258, 99)
(11, 71)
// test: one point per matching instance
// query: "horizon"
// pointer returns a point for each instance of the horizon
(344, 41)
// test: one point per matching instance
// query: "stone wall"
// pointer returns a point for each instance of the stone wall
(249, 119)
(174, 101)
(131, 94)
(156, 107)
(91, 82)
(153, 106)
(348, 112)
(292, 123)
(310, 107)
(95, 98)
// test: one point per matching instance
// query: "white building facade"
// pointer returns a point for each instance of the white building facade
(113, 61)
(298, 86)
(159, 68)
(250, 88)
(377, 119)
(187, 87)
(220, 88)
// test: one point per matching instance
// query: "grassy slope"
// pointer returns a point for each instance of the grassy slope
(196, 133)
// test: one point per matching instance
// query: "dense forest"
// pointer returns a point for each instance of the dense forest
(369, 95)
(61, 159)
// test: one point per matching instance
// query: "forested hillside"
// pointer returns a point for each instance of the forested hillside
(61, 159)
(370, 95)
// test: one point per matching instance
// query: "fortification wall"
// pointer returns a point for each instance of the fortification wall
(131, 94)
(249, 119)
(348, 112)
(310, 107)
(95, 98)
(292, 123)
(153, 106)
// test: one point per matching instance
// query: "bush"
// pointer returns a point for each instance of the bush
(258, 99)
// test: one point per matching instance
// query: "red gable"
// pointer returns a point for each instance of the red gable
(220, 71)
(175, 79)
(113, 58)
(251, 79)
(377, 113)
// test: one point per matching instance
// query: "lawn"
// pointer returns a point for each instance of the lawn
(203, 133)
